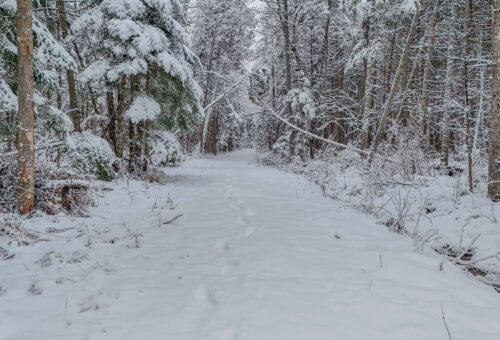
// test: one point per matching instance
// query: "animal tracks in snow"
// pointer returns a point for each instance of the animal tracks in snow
(249, 231)
(242, 221)
(226, 334)
(222, 245)
(206, 296)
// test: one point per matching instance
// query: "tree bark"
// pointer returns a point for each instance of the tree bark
(288, 50)
(26, 128)
(119, 120)
(76, 114)
(132, 147)
(365, 90)
(466, 51)
(494, 138)
(445, 128)
(425, 118)
(110, 128)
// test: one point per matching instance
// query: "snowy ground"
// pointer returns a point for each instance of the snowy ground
(436, 210)
(258, 254)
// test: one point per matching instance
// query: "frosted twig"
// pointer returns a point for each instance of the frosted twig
(173, 219)
(459, 257)
(470, 263)
(445, 323)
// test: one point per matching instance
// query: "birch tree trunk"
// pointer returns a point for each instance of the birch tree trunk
(494, 139)
(26, 129)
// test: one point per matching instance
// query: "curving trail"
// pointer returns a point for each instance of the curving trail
(258, 255)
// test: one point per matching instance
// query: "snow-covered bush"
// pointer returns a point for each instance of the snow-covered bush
(143, 108)
(293, 144)
(166, 150)
(59, 187)
(283, 146)
(52, 124)
(90, 154)
(232, 131)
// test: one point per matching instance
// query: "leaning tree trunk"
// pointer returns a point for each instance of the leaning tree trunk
(494, 142)
(395, 85)
(76, 114)
(26, 129)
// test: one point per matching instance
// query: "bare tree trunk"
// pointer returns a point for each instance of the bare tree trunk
(339, 128)
(212, 133)
(135, 131)
(445, 128)
(366, 108)
(76, 114)
(120, 110)
(401, 119)
(26, 129)
(397, 80)
(425, 118)
(132, 147)
(288, 50)
(494, 139)
(148, 126)
(466, 51)
(480, 113)
(366, 89)
(110, 128)
(139, 146)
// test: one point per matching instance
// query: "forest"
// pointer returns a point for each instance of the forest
(315, 123)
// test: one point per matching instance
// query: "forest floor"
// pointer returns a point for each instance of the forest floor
(257, 254)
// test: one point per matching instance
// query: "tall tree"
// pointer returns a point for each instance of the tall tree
(75, 112)
(446, 123)
(144, 57)
(395, 85)
(494, 152)
(26, 107)
(424, 103)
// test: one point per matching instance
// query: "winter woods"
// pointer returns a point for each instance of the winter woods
(102, 89)
(407, 80)
(92, 93)
(249, 169)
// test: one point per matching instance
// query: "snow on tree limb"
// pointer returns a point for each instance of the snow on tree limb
(142, 109)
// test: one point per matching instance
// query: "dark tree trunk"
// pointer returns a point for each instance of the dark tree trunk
(494, 152)
(76, 114)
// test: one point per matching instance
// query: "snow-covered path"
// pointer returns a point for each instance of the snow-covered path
(258, 254)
